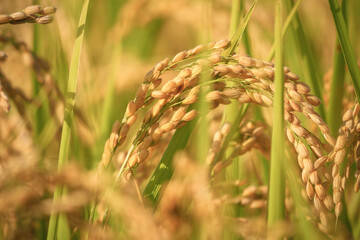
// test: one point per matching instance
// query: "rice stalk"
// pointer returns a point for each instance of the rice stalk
(285, 27)
(276, 206)
(337, 83)
(57, 224)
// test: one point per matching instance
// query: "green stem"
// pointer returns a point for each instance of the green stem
(57, 226)
(277, 178)
(309, 65)
(346, 45)
(337, 84)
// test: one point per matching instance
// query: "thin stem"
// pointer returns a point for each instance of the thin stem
(277, 178)
(57, 224)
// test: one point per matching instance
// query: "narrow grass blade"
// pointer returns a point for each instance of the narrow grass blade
(309, 66)
(285, 27)
(337, 84)
(57, 227)
(239, 31)
(276, 199)
(345, 44)
(164, 170)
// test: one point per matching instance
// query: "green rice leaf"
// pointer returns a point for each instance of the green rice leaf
(58, 229)
(346, 45)
(276, 201)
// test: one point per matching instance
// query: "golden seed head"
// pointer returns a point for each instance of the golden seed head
(213, 96)
(320, 162)
(340, 142)
(295, 95)
(134, 159)
(179, 57)
(132, 119)
(314, 177)
(309, 190)
(221, 44)
(244, 98)
(317, 203)
(223, 68)
(18, 16)
(347, 115)
(302, 150)
(189, 100)
(224, 100)
(156, 109)
(323, 218)
(105, 158)
(295, 106)
(143, 154)
(48, 10)
(316, 118)
(356, 110)
(124, 130)
(131, 109)
(291, 76)
(4, 18)
(337, 182)
(289, 85)
(167, 127)
(158, 94)
(313, 100)
(179, 114)
(245, 61)
(336, 196)
(157, 134)
(169, 86)
(258, 73)
(257, 204)
(329, 138)
(159, 67)
(226, 128)
(302, 88)
(304, 175)
(328, 202)
(35, 9)
(335, 170)
(338, 209)
(214, 58)
(115, 127)
(308, 165)
(289, 135)
(178, 81)
(149, 76)
(231, 93)
(189, 116)
(113, 140)
(320, 191)
(44, 19)
(198, 49)
(184, 73)
(267, 101)
(339, 156)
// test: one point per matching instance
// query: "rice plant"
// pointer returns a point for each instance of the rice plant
(246, 127)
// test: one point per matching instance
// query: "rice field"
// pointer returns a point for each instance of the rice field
(187, 119)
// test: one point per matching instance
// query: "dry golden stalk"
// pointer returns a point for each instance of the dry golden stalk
(30, 14)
